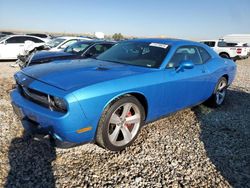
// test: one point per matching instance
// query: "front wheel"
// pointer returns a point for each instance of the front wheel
(219, 93)
(120, 124)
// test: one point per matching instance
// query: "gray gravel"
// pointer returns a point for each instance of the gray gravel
(198, 147)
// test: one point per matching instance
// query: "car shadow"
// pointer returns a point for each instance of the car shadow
(225, 132)
(30, 163)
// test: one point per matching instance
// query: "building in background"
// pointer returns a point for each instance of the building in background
(99, 35)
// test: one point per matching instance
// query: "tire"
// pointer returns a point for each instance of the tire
(219, 94)
(114, 132)
(225, 55)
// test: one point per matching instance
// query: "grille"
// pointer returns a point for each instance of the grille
(35, 96)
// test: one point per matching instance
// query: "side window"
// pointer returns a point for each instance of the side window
(98, 49)
(231, 44)
(66, 44)
(77, 48)
(205, 56)
(108, 45)
(222, 44)
(13, 40)
(184, 54)
(35, 40)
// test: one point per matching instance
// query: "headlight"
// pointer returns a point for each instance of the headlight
(60, 103)
(57, 104)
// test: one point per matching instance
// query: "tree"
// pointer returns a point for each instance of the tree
(117, 36)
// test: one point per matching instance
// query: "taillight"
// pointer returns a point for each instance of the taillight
(238, 51)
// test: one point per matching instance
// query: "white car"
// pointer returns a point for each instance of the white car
(60, 43)
(225, 50)
(12, 45)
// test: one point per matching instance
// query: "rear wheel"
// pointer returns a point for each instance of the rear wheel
(120, 124)
(225, 55)
(219, 93)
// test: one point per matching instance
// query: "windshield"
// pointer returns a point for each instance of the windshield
(77, 48)
(143, 54)
(55, 42)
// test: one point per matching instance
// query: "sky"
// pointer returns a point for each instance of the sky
(191, 19)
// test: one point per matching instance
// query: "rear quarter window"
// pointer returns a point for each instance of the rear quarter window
(205, 56)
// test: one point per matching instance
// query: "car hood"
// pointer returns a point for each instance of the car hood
(73, 74)
(50, 55)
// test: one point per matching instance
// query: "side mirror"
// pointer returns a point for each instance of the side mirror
(187, 64)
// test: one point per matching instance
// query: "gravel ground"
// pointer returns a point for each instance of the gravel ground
(198, 147)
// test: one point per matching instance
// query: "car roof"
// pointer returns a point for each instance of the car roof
(168, 41)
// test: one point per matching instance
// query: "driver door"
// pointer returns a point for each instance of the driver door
(186, 87)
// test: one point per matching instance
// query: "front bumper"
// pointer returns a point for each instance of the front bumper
(63, 127)
(33, 130)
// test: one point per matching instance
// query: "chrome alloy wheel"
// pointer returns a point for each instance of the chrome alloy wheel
(221, 92)
(124, 124)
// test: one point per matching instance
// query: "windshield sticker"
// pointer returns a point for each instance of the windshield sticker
(159, 45)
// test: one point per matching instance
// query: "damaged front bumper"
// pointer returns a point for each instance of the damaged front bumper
(62, 128)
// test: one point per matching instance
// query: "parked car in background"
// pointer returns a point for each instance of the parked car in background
(225, 50)
(107, 100)
(78, 50)
(12, 45)
(60, 43)
(5, 33)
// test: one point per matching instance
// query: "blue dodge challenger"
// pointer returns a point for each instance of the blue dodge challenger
(107, 99)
